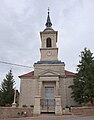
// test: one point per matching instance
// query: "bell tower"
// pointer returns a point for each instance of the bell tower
(48, 50)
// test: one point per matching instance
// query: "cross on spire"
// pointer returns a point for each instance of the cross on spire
(48, 10)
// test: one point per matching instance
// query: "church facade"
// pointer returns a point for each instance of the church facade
(46, 88)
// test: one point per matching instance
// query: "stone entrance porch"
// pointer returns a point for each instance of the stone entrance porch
(48, 99)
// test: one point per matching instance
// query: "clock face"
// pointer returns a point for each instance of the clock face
(49, 53)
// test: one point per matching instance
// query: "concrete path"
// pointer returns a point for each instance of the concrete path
(68, 117)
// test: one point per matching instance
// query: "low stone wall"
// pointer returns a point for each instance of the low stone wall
(9, 112)
(82, 110)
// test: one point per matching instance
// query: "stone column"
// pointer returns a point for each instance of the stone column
(37, 105)
(58, 108)
(37, 99)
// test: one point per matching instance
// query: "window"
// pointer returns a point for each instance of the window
(48, 42)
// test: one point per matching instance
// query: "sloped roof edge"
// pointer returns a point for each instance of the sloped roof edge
(69, 73)
(30, 74)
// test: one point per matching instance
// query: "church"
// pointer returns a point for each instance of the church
(46, 88)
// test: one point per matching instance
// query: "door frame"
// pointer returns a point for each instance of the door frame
(48, 104)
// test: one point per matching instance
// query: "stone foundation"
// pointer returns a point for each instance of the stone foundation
(82, 110)
(58, 108)
(9, 112)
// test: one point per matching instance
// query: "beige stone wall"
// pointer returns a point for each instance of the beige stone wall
(83, 110)
(65, 92)
(62, 90)
(28, 90)
(69, 100)
(40, 68)
(44, 36)
(53, 55)
(8, 112)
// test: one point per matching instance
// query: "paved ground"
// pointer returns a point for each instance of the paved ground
(55, 118)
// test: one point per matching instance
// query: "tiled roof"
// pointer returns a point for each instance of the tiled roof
(68, 73)
(30, 74)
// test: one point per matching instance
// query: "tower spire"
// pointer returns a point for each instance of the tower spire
(48, 23)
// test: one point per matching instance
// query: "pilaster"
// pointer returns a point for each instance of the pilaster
(40, 88)
(58, 108)
(57, 88)
(37, 105)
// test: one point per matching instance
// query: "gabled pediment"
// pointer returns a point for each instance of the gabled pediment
(49, 73)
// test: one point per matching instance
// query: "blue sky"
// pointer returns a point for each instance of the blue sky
(22, 20)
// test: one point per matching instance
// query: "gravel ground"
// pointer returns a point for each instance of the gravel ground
(54, 118)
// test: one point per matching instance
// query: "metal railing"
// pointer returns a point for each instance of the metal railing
(48, 105)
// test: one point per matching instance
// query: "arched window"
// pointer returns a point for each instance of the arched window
(48, 42)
